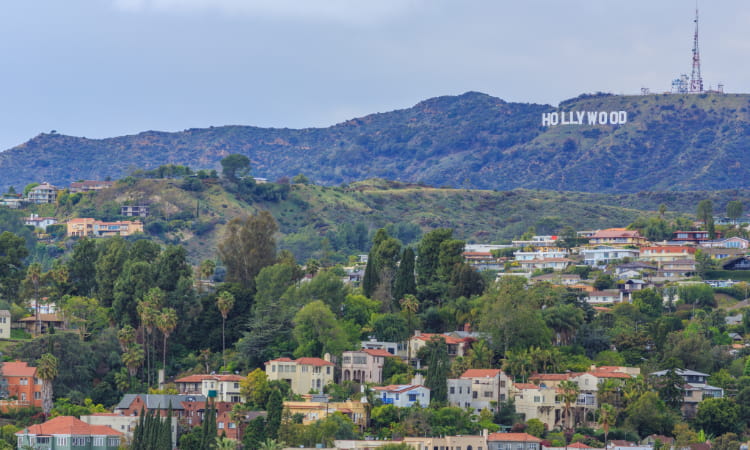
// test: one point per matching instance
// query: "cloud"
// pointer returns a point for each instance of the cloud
(345, 11)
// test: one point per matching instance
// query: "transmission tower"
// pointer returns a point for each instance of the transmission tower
(696, 82)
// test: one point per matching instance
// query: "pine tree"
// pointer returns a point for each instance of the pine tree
(405, 282)
(370, 278)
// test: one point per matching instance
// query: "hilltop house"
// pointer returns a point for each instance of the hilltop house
(89, 185)
(42, 194)
(222, 388)
(96, 228)
(664, 253)
(39, 222)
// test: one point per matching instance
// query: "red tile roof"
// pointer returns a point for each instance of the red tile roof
(69, 425)
(377, 352)
(578, 445)
(17, 369)
(607, 374)
(615, 232)
(200, 378)
(513, 437)
(481, 373)
(525, 386)
(448, 339)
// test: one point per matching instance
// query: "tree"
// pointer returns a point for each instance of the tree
(47, 372)
(607, 418)
(429, 255)
(705, 214)
(206, 271)
(248, 246)
(649, 302)
(438, 366)
(82, 267)
(410, 305)
(208, 428)
(166, 322)
(569, 391)
(255, 388)
(85, 314)
(225, 303)
(649, 415)
(235, 167)
(662, 210)
(274, 409)
(734, 209)
(32, 284)
(405, 283)
(12, 253)
(317, 331)
(717, 416)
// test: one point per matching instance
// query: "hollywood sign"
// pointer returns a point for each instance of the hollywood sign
(552, 119)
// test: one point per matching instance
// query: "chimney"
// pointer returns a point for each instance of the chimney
(417, 333)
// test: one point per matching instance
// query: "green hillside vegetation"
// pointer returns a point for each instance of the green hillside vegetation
(334, 222)
(670, 142)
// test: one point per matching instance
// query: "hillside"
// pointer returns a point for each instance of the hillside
(314, 219)
(670, 142)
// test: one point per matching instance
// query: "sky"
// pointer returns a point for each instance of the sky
(104, 68)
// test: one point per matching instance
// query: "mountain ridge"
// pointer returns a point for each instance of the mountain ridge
(472, 140)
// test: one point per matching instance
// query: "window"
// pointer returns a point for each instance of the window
(328, 370)
(62, 440)
(232, 425)
(37, 395)
(236, 385)
(488, 394)
(98, 441)
(412, 397)
(475, 394)
(78, 442)
(453, 390)
(24, 382)
(113, 442)
(221, 425)
(43, 440)
(23, 397)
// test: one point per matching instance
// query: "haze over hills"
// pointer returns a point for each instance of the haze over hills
(670, 142)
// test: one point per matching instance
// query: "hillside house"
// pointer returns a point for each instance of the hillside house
(660, 254)
(22, 385)
(542, 243)
(303, 374)
(89, 185)
(5, 324)
(513, 441)
(447, 442)
(556, 264)
(692, 237)
(222, 387)
(479, 389)
(364, 366)
(456, 346)
(538, 402)
(42, 194)
(602, 255)
(135, 210)
(123, 423)
(696, 389)
(87, 227)
(679, 268)
(315, 408)
(618, 237)
(403, 395)
(68, 433)
(607, 296)
(39, 222)
(36, 325)
(741, 263)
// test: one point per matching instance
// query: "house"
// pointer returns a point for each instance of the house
(741, 263)
(40, 325)
(86, 226)
(543, 243)
(618, 237)
(615, 444)
(303, 375)
(602, 255)
(633, 285)
(394, 348)
(42, 194)
(222, 388)
(5, 321)
(634, 269)
(403, 395)
(693, 237)
(447, 442)
(132, 404)
(730, 242)
(513, 441)
(678, 268)
(589, 382)
(456, 346)
(663, 253)
(538, 402)
(125, 424)
(364, 366)
(12, 202)
(479, 389)
(696, 389)
(606, 296)
(558, 279)
(22, 384)
(483, 260)
(67, 432)
(39, 222)
(89, 185)
(228, 425)
(539, 254)
(134, 210)
(317, 407)
(556, 264)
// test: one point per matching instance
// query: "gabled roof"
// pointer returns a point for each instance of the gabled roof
(608, 374)
(377, 352)
(481, 373)
(159, 401)
(448, 339)
(398, 388)
(512, 437)
(42, 318)
(615, 232)
(578, 445)
(17, 369)
(68, 425)
(200, 378)
(525, 386)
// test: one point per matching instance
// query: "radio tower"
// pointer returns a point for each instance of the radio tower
(696, 82)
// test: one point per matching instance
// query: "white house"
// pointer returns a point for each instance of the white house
(601, 255)
(404, 395)
(39, 222)
(479, 389)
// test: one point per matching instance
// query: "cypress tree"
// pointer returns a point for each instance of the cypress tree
(370, 279)
(405, 282)
(274, 408)
(208, 430)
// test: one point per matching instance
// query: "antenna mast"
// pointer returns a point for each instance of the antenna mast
(696, 82)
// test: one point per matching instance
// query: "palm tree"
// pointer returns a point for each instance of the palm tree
(167, 322)
(569, 391)
(271, 444)
(410, 304)
(47, 371)
(126, 337)
(225, 303)
(205, 271)
(33, 277)
(480, 355)
(224, 443)
(607, 418)
(518, 363)
(133, 358)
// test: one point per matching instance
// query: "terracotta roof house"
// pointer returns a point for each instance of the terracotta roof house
(67, 432)
(479, 389)
(364, 366)
(22, 384)
(303, 374)
(515, 441)
(617, 236)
